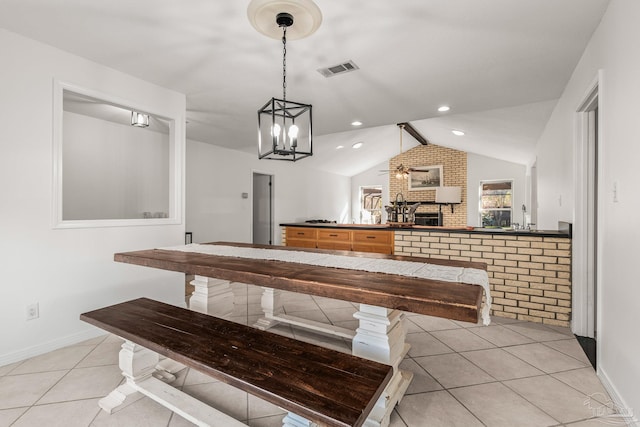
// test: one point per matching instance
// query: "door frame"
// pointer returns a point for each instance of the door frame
(273, 202)
(586, 319)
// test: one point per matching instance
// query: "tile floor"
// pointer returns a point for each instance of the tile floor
(511, 373)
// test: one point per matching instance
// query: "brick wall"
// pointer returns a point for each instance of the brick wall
(454, 171)
(529, 276)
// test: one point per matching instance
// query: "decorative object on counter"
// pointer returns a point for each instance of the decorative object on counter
(319, 221)
(425, 178)
(284, 127)
(401, 214)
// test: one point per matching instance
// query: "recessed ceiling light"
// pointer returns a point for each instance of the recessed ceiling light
(444, 108)
(339, 147)
(457, 132)
(358, 145)
(356, 123)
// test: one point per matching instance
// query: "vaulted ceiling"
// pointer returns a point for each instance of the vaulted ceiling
(499, 64)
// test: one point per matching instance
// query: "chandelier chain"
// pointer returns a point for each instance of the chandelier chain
(284, 64)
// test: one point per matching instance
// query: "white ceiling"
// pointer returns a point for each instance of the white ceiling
(498, 63)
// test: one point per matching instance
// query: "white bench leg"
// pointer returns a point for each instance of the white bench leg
(381, 337)
(293, 420)
(137, 363)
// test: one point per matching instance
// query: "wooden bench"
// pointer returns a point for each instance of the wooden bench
(312, 383)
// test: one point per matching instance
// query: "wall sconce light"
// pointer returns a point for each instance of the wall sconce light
(139, 119)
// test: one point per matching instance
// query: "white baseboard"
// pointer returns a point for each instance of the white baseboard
(36, 350)
(632, 418)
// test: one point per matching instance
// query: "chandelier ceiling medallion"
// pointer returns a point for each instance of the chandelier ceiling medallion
(284, 126)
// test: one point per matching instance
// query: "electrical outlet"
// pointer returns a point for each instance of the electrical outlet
(33, 311)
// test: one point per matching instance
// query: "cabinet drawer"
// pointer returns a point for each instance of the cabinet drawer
(301, 233)
(334, 235)
(300, 243)
(373, 237)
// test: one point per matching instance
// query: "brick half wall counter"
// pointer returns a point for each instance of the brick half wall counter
(529, 276)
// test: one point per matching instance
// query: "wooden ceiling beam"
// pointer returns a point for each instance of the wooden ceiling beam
(414, 133)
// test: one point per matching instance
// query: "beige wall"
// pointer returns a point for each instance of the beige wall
(454, 171)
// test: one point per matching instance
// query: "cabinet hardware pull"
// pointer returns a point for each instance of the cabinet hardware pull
(371, 237)
(301, 234)
(333, 235)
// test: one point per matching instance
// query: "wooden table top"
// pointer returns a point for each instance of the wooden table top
(457, 301)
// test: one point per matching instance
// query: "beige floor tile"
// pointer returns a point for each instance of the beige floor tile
(221, 396)
(545, 358)
(259, 408)
(536, 331)
(68, 414)
(497, 406)
(437, 408)
(599, 422)
(327, 303)
(462, 340)
(500, 364)
(194, 377)
(500, 336)
(411, 327)
(557, 399)
(84, 383)
(25, 390)
(339, 314)
(8, 416)
(453, 370)
(94, 341)
(425, 344)
(103, 354)
(395, 420)
(57, 360)
(570, 347)
(6, 369)
(422, 382)
(496, 320)
(585, 381)
(142, 412)
(430, 323)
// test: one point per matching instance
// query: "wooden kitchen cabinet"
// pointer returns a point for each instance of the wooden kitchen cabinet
(302, 237)
(378, 241)
(334, 239)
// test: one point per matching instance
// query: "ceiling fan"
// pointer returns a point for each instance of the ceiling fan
(402, 171)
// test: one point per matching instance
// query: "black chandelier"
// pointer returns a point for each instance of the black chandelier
(284, 127)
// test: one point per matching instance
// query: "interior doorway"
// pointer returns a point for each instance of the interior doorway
(262, 228)
(586, 260)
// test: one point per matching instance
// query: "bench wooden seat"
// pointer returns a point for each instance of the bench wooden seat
(319, 384)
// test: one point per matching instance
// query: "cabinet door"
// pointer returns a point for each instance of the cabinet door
(300, 243)
(340, 246)
(380, 249)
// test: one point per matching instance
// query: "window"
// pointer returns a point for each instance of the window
(496, 198)
(371, 205)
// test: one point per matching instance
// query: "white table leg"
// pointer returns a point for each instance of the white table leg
(381, 337)
(137, 363)
(272, 308)
(212, 296)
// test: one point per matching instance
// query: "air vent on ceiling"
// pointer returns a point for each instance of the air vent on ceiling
(338, 69)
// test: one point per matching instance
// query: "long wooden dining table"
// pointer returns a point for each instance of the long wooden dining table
(382, 298)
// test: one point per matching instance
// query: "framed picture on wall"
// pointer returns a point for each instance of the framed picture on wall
(425, 177)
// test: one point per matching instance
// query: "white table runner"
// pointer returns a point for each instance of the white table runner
(420, 270)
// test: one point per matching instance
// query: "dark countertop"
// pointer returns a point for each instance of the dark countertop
(540, 233)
